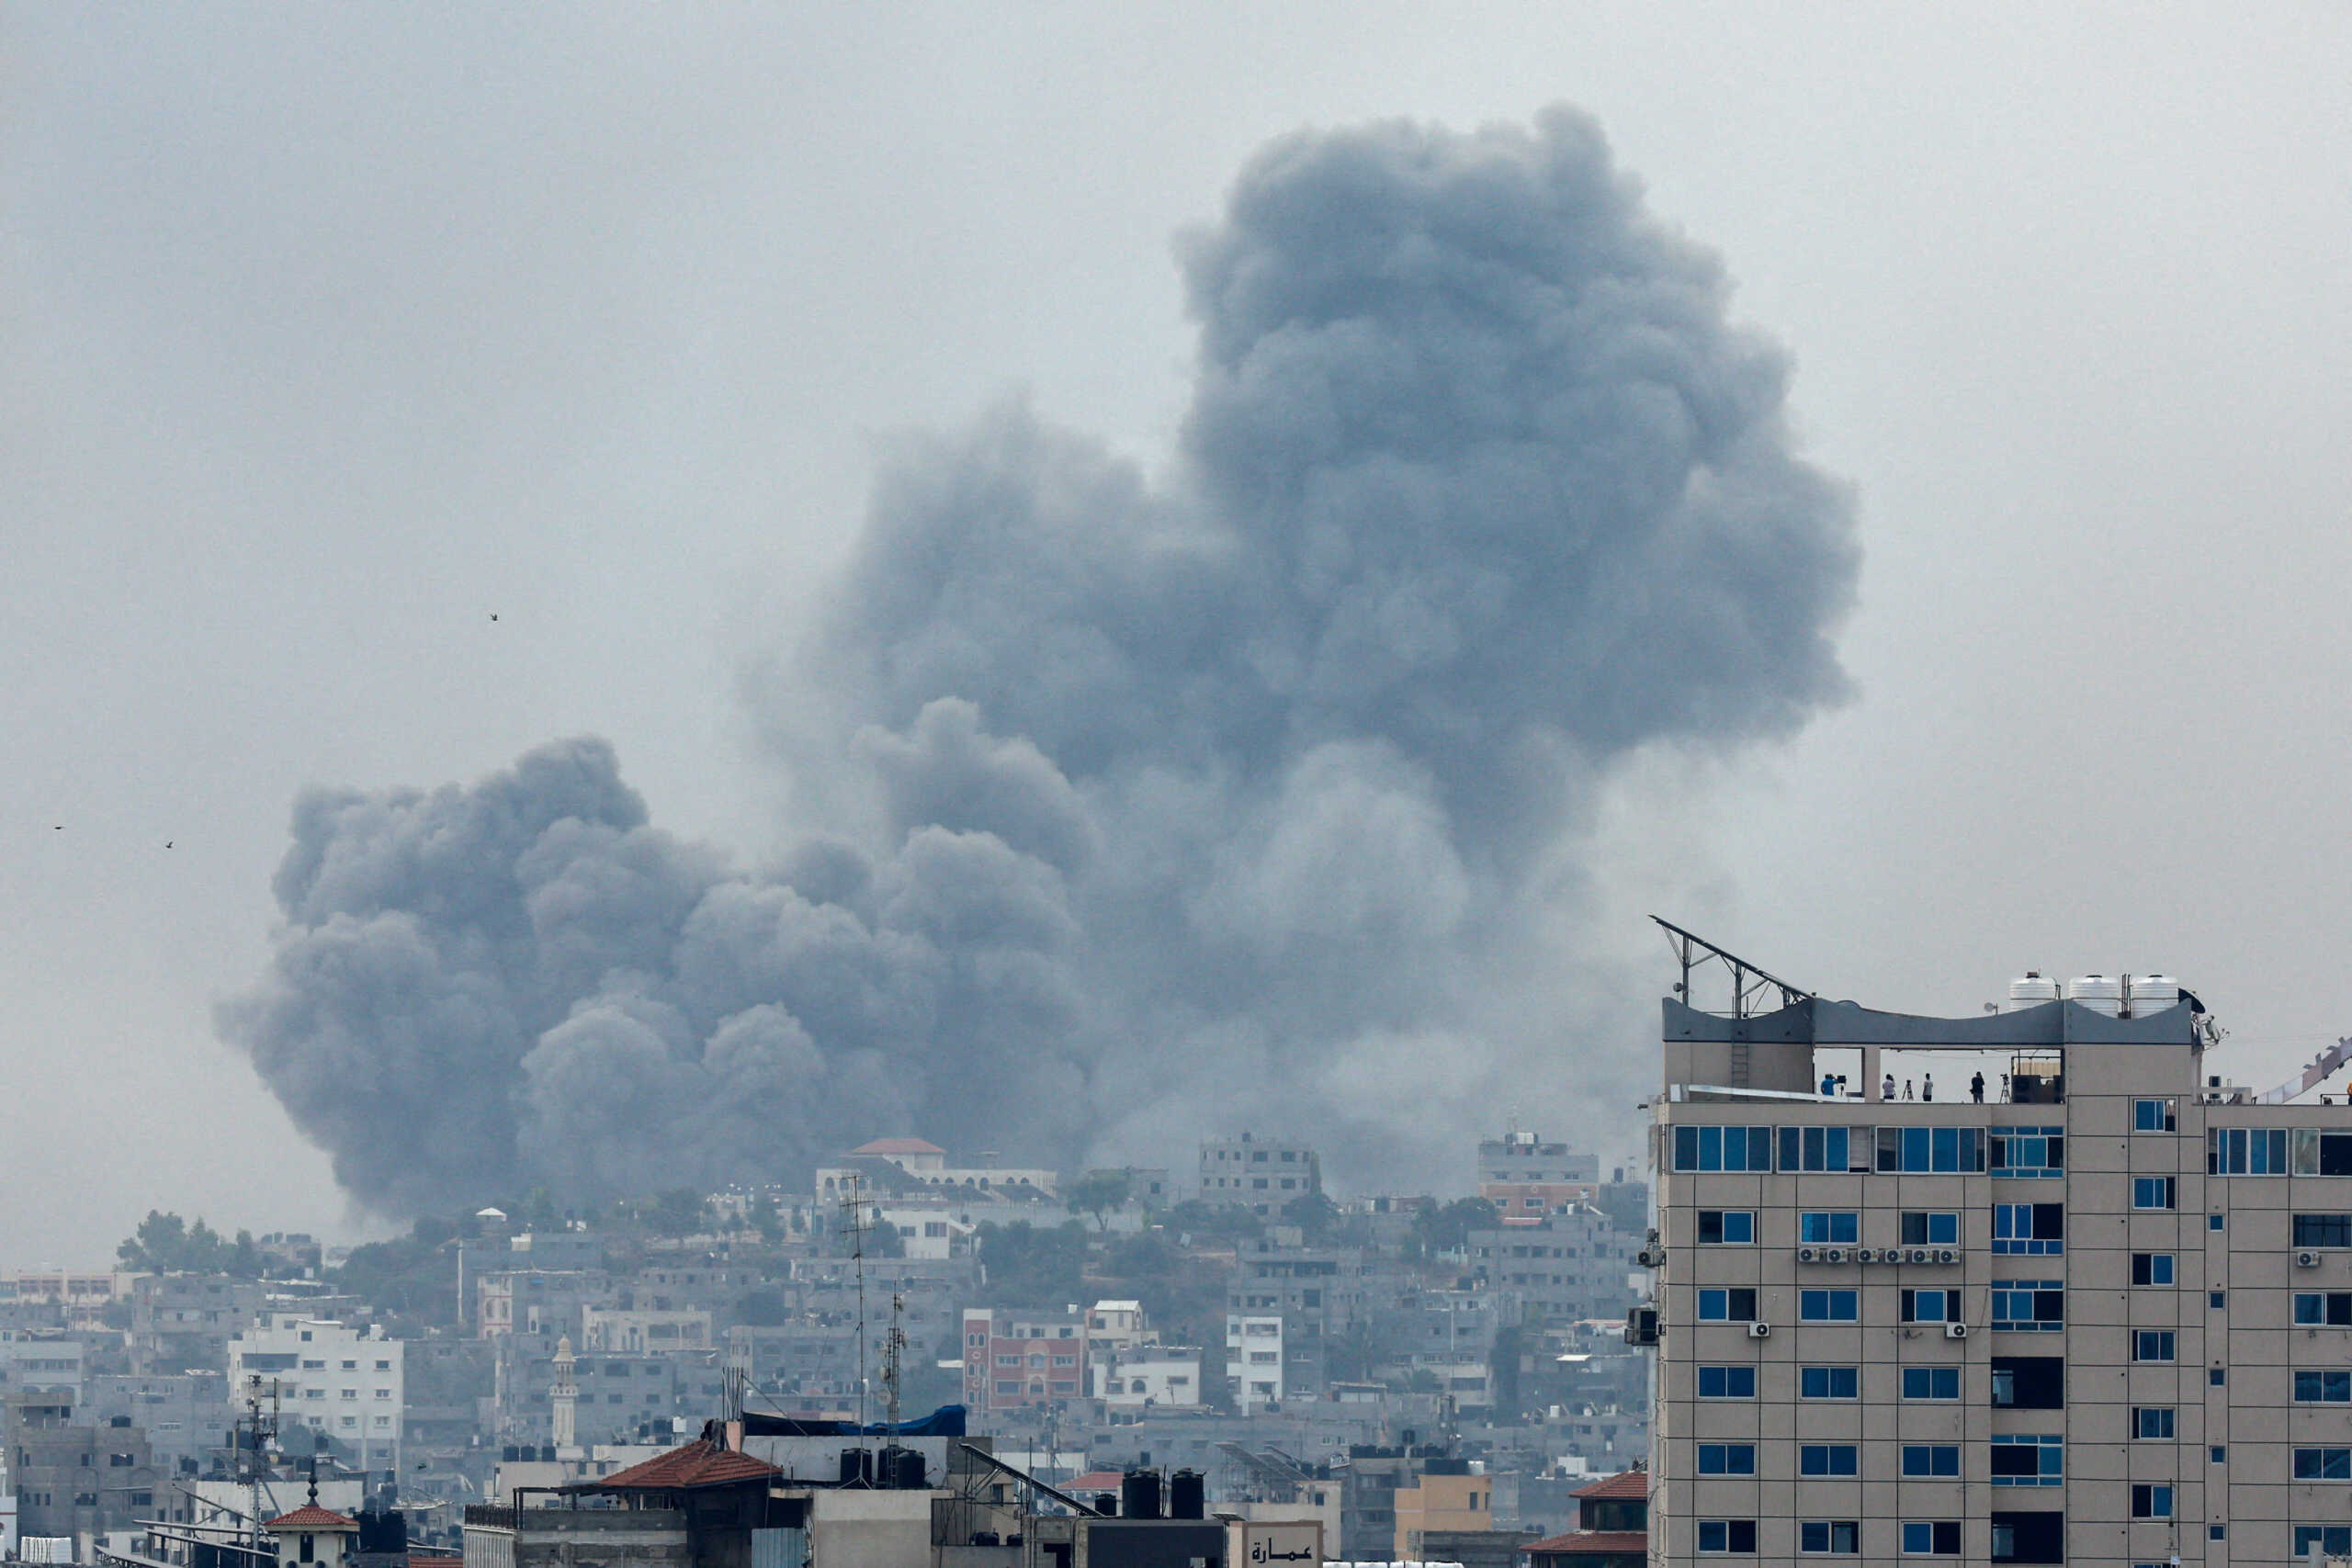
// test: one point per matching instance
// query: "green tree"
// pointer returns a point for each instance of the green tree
(766, 1220)
(166, 1244)
(679, 1212)
(1027, 1263)
(1314, 1214)
(537, 1211)
(1097, 1193)
(1447, 1229)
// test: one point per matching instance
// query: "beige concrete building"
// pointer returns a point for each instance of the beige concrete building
(2103, 1316)
(1442, 1503)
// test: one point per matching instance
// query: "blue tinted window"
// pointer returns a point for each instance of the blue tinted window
(1932, 1383)
(1726, 1383)
(1931, 1458)
(1735, 1227)
(1829, 1306)
(1828, 1459)
(1814, 1148)
(2028, 1460)
(1833, 1228)
(2029, 1304)
(2241, 1151)
(2029, 1230)
(1829, 1382)
(2029, 1151)
(1726, 1459)
(2324, 1388)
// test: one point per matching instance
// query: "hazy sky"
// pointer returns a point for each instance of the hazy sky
(325, 335)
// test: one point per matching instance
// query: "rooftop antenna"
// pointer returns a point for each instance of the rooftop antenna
(265, 1432)
(892, 1350)
(1748, 983)
(856, 1221)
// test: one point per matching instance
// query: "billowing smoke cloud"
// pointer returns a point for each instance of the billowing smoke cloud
(1141, 806)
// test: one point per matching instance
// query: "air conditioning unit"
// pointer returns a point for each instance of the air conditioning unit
(1651, 1257)
(1918, 1254)
(1808, 1255)
(1946, 1255)
(1955, 1331)
(2307, 1259)
(1866, 1255)
(1640, 1325)
(1652, 1236)
(1759, 1331)
(1835, 1255)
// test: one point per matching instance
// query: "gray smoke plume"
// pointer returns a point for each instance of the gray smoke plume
(1145, 805)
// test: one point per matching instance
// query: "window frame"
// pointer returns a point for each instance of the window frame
(1727, 1374)
(1829, 1298)
(1853, 1376)
(1935, 1530)
(1725, 1226)
(1730, 1532)
(1830, 1528)
(1934, 1458)
(1829, 1457)
(1934, 1378)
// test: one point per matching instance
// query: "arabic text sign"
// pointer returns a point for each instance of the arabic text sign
(1292, 1544)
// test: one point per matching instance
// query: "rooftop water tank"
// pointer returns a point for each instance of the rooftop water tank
(2152, 993)
(2100, 993)
(2030, 991)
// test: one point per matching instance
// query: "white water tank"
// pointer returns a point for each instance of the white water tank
(2030, 991)
(2100, 993)
(2152, 993)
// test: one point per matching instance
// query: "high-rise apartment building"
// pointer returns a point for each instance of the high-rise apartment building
(2102, 1315)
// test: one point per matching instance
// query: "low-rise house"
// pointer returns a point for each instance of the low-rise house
(1612, 1528)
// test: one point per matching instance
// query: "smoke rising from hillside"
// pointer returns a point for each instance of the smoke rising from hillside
(1141, 806)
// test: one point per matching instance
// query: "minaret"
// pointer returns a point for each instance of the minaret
(564, 1393)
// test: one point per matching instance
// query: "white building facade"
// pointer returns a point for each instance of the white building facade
(1253, 1359)
(342, 1381)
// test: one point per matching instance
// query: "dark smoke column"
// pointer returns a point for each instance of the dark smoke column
(1243, 789)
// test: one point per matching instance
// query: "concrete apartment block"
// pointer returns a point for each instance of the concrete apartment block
(2107, 1321)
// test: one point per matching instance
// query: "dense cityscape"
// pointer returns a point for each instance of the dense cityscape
(803, 786)
(1419, 1375)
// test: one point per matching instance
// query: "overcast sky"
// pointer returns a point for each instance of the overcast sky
(327, 334)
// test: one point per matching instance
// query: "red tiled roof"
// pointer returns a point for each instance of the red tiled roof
(1093, 1481)
(1625, 1483)
(311, 1516)
(699, 1463)
(1591, 1543)
(426, 1560)
(898, 1146)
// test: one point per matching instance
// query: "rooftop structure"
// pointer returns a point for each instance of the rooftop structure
(2078, 1307)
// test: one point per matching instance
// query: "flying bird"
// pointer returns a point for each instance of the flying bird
(493, 614)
